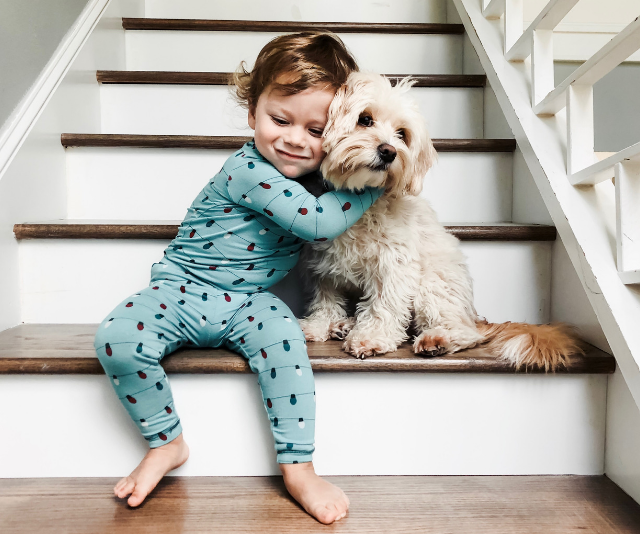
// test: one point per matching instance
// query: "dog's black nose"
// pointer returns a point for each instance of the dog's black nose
(387, 153)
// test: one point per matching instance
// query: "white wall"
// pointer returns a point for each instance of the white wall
(30, 32)
(33, 187)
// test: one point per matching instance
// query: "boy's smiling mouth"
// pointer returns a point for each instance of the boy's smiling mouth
(289, 155)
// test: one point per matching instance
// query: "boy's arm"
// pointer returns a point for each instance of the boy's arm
(259, 186)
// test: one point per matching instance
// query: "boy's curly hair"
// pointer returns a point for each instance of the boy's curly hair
(292, 63)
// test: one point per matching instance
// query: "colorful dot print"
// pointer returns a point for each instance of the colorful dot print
(242, 234)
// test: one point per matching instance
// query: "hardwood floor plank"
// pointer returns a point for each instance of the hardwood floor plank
(393, 504)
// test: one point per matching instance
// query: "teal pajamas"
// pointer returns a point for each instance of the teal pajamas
(242, 234)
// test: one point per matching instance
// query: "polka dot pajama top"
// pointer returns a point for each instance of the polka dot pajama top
(242, 234)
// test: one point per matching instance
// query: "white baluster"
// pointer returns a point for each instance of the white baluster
(628, 220)
(513, 22)
(542, 77)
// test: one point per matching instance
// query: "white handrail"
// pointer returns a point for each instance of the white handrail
(593, 174)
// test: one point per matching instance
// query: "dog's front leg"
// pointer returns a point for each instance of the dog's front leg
(327, 315)
(382, 316)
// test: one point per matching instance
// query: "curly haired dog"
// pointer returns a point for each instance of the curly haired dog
(399, 259)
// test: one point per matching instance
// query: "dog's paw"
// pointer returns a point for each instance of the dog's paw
(340, 329)
(361, 345)
(433, 342)
(314, 330)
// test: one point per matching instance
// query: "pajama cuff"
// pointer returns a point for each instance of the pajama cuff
(164, 437)
(289, 457)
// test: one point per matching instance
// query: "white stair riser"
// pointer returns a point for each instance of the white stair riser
(367, 424)
(129, 183)
(81, 281)
(210, 110)
(223, 51)
(293, 10)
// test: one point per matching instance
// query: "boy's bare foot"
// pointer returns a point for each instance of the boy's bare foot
(324, 501)
(156, 464)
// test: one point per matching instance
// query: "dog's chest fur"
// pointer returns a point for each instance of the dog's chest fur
(380, 240)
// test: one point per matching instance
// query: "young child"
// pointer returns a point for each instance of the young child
(242, 234)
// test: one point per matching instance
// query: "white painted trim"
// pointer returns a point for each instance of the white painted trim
(575, 211)
(14, 131)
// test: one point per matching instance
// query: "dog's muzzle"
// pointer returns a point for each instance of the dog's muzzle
(386, 154)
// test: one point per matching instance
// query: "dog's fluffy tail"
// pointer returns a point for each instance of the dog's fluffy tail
(546, 345)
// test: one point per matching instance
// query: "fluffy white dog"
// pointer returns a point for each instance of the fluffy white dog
(401, 262)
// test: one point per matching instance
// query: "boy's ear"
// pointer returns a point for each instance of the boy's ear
(252, 117)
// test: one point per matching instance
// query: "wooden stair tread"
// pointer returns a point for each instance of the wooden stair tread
(120, 229)
(228, 142)
(390, 504)
(224, 78)
(68, 349)
(288, 26)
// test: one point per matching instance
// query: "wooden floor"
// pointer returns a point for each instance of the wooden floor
(442, 505)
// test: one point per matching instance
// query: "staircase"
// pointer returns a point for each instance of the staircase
(98, 187)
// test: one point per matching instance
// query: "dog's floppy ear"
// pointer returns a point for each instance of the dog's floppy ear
(423, 157)
(336, 109)
(343, 112)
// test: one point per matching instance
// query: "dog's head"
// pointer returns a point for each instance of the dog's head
(375, 136)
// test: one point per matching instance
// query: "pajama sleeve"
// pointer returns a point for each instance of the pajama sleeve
(259, 186)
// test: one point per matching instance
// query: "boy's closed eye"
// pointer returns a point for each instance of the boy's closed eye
(316, 132)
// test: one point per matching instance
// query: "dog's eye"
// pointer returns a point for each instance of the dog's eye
(365, 120)
(401, 134)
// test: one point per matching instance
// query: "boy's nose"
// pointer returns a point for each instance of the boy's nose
(296, 137)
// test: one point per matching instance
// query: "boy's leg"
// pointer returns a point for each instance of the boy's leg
(130, 343)
(267, 333)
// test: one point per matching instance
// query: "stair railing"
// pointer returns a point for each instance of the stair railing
(576, 93)
(599, 224)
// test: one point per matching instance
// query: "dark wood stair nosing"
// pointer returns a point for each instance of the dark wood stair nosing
(225, 78)
(68, 349)
(224, 142)
(129, 23)
(191, 364)
(142, 230)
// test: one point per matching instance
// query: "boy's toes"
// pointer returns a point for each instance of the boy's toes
(327, 514)
(124, 487)
(138, 495)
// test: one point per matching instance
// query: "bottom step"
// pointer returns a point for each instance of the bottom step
(542, 504)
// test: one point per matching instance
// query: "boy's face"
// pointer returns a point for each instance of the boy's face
(288, 128)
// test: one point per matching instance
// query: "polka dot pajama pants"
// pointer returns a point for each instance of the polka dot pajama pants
(170, 314)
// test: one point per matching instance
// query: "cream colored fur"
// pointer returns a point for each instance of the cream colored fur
(399, 259)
